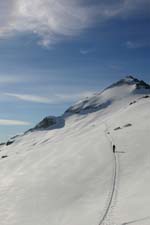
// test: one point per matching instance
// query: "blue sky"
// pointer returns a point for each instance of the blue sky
(54, 52)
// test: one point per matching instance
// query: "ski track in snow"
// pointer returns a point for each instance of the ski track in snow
(107, 218)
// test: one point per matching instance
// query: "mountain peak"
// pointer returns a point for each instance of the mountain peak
(124, 88)
(130, 80)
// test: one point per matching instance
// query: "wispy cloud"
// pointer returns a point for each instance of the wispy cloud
(13, 123)
(5, 79)
(53, 20)
(15, 79)
(53, 99)
(137, 44)
(86, 51)
(29, 98)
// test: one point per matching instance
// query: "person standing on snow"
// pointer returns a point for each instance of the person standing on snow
(114, 148)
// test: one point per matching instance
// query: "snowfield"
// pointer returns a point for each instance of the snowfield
(67, 173)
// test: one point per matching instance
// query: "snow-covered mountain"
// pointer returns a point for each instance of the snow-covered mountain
(63, 171)
(125, 88)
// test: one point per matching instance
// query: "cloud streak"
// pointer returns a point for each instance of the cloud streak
(11, 79)
(29, 98)
(13, 123)
(86, 51)
(53, 99)
(137, 44)
(53, 21)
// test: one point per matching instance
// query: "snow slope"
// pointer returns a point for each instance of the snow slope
(67, 173)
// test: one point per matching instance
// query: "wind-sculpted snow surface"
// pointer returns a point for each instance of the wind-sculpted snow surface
(66, 175)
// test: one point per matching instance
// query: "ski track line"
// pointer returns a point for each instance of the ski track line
(114, 185)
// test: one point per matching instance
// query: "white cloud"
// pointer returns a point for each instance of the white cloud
(13, 123)
(54, 20)
(12, 78)
(49, 19)
(53, 99)
(137, 44)
(30, 98)
(86, 51)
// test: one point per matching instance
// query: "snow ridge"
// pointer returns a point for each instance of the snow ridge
(117, 91)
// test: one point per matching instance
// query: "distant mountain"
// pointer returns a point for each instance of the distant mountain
(124, 88)
(130, 80)
(89, 166)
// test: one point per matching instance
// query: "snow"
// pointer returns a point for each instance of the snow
(69, 175)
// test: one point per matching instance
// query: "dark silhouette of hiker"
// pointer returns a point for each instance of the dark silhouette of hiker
(114, 148)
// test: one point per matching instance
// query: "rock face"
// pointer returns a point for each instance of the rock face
(130, 80)
(142, 84)
(49, 122)
(46, 122)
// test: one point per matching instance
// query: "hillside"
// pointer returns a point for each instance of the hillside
(63, 171)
